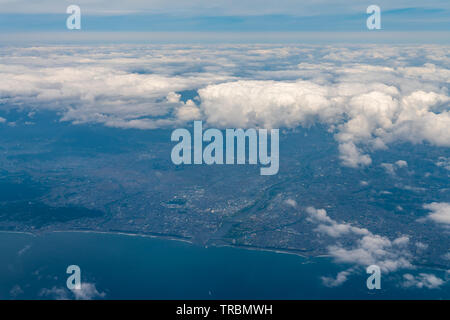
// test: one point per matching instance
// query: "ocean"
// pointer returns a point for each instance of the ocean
(135, 267)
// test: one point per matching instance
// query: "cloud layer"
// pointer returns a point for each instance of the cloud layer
(369, 97)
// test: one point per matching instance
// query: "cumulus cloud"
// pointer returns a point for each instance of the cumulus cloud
(371, 249)
(370, 119)
(319, 215)
(401, 163)
(351, 156)
(391, 167)
(421, 246)
(291, 202)
(367, 249)
(422, 280)
(188, 112)
(268, 104)
(340, 278)
(368, 107)
(88, 291)
(440, 212)
(331, 227)
(366, 99)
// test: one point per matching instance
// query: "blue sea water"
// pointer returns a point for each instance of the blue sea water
(133, 267)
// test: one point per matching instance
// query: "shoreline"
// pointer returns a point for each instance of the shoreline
(171, 238)
(20, 232)
(186, 240)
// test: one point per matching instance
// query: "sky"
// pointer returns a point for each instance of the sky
(215, 7)
(224, 16)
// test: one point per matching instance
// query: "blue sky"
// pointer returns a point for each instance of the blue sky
(230, 16)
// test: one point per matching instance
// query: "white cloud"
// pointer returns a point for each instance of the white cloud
(440, 212)
(366, 105)
(291, 202)
(54, 293)
(119, 89)
(269, 104)
(390, 168)
(331, 227)
(371, 249)
(443, 162)
(401, 163)
(341, 277)
(362, 111)
(367, 249)
(421, 246)
(423, 280)
(319, 215)
(88, 291)
(188, 112)
(351, 156)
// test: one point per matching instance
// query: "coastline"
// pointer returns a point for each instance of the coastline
(171, 238)
(187, 240)
(20, 232)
